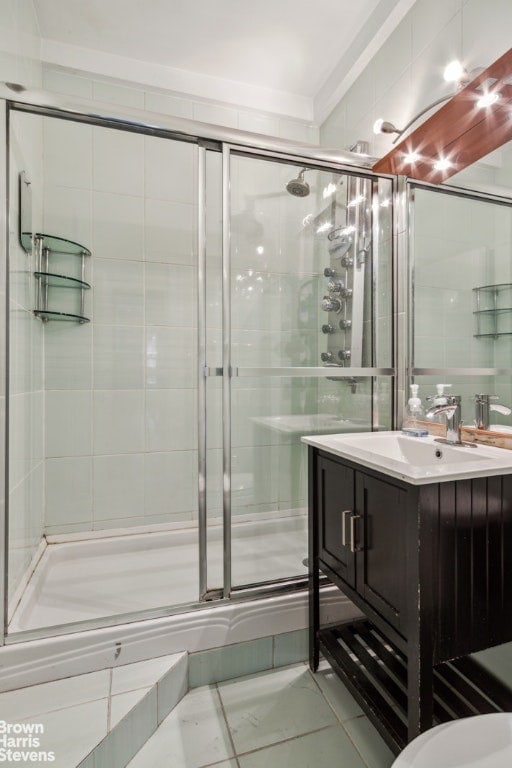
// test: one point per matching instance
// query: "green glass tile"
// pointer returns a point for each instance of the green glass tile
(230, 661)
(291, 647)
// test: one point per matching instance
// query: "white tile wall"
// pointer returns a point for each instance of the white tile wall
(118, 161)
(118, 421)
(118, 226)
(118, 486)
(75, 83)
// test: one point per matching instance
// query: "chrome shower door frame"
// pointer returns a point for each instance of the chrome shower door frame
(228, 371)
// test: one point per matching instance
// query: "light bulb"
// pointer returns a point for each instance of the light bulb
(488, 99)
(442, 164)
(454, 72)
(411, 157)
(377, 126)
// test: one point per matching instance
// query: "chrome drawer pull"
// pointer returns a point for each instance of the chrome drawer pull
(353, 547)
(344, 526)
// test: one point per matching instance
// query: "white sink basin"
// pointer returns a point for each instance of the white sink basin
(417, 460)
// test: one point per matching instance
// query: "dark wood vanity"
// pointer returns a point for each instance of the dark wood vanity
(430, 566)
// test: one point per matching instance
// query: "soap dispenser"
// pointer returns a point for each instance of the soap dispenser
(414, 415)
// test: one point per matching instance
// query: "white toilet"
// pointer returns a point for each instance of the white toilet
(483, 741)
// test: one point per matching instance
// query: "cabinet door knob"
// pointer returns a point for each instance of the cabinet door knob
(353, 547)
(344, 526)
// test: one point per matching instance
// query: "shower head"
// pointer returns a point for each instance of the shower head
(298, 187)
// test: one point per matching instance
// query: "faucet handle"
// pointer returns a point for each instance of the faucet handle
(503, 409)
(482, 398)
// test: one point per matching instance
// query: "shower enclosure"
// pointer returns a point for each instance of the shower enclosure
(177, 319)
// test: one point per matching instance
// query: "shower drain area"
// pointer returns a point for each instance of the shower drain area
(110, 575)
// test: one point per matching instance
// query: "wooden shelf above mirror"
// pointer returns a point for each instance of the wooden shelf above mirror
(460, 132)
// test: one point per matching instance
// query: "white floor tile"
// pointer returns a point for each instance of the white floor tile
(273, 706)
(72, 733)
(129, 677)
(323, 749)
(122, 703)
(193, 735)
(60, 694)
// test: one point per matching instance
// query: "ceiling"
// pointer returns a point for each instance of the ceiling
(293, 57)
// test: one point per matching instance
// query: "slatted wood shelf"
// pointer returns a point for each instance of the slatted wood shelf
(375, 672)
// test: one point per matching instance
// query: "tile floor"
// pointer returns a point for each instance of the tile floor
(76, 713)
(275, 719)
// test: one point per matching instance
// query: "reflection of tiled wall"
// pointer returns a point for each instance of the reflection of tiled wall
(20, 63)
(459, 244)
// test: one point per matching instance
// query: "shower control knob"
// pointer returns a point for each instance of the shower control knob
(344, 354)
(326, 357)
(335, 286)
(347, 261)
(330, 304)
(328, 328)
(329, 272)
(346, 293)
(345, 324)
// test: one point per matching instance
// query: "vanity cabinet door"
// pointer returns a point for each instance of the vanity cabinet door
(335, 505)
(381, 532)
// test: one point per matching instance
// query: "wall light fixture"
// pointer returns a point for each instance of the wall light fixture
(473, 122)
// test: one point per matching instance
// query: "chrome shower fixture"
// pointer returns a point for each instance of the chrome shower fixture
(339, 243)
(298, 187)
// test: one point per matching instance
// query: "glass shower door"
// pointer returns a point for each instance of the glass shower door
(103, 396)
(308, 315)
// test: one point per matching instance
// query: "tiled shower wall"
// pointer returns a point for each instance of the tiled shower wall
(121, 449)
(120, 391)
(121, 416)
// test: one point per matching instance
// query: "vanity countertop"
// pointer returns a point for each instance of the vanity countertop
(415, 460)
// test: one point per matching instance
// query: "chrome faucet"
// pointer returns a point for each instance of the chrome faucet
(450, 407)
(483, 407)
